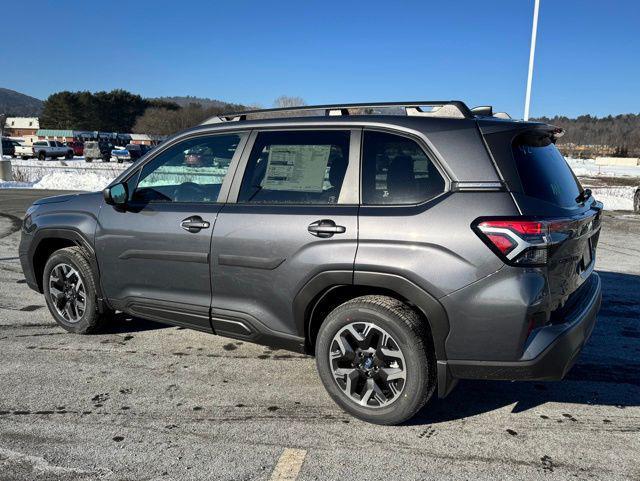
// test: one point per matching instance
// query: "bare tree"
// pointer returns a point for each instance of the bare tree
(285, 101)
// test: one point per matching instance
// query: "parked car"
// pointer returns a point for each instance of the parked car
(9, 147)
(405, 252)
(94, 150)
(52, 149)
(24, 151)
(77, 146)
(137, 150)
(120, 154)
(129, 153)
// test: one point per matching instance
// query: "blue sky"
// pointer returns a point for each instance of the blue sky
(587, 60)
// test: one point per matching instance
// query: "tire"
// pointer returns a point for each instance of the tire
(69, 155)
(636, 201)
(90, 320)
(42, 155)
(408, 333)
(88, 159)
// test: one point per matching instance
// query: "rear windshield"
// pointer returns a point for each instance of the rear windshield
(545, 174)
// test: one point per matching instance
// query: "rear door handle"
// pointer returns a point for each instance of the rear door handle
(325, 228)
(194, 224)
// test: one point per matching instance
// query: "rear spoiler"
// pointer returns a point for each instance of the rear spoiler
(518, 128)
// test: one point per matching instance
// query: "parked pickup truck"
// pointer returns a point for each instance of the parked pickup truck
(23, 151)
(51, 148)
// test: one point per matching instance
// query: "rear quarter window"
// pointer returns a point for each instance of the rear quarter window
(545, 174)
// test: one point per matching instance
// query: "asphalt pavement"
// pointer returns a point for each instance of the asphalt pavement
(151, 402)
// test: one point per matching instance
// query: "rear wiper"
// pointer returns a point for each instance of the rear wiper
(584, 195)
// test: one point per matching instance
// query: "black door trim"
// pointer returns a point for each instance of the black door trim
(198, 257)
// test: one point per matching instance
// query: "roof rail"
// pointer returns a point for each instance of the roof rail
(443, 108)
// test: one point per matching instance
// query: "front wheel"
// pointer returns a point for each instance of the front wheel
(69, 286)
(375, 357)
(42, 156)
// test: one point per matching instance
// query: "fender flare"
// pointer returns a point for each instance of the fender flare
(315, 289)
(77, 238)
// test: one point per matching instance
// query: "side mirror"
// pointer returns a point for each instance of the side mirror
(116, 195)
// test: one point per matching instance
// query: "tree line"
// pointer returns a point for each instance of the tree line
(618, 135)
(122, 111)
(115, 111)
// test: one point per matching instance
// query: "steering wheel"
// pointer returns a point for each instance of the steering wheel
(189, 192)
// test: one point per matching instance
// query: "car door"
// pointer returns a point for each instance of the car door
(291, 214)
(154, 254)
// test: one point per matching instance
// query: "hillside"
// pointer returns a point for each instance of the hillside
(206, 103)
(14, 103)
(593, 136)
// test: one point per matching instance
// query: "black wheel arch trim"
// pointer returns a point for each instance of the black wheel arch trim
(318, 287)
(78, 238)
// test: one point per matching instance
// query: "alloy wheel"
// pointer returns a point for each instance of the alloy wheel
(67, 292)
(367, 364)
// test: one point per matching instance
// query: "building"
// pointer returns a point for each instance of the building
(57, 134)
(142, 139)
(21, 126)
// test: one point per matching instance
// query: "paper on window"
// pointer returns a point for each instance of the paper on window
(296, 167)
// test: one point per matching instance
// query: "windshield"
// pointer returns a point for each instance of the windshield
(545, 174)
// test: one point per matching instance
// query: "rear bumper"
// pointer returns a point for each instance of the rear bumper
(551, 351)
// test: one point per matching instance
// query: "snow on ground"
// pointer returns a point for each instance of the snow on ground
(588, 168)
(615, 198)
(73, 174)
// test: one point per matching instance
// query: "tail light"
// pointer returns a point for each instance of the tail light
(522, 242)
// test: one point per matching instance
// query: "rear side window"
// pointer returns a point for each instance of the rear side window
(545, 174)
(395, 170)
(296, 167)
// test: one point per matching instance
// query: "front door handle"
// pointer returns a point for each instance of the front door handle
(325, 228)
(194, 224)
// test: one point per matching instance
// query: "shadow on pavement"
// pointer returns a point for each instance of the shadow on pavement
(124, 323)
(607, 372)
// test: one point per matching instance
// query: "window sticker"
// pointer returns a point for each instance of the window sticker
(296, 167)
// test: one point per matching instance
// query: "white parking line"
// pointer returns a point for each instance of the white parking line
(289, 465)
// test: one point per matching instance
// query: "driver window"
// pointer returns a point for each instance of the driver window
(189, 171)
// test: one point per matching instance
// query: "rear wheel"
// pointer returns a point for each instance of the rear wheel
(69, 288)
(69, 155)
(88, 159)
(375, 357)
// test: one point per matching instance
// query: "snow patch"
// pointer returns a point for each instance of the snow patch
(89, 181)
(588, 168)
(615, 198)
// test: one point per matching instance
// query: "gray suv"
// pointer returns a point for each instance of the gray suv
(405, 245)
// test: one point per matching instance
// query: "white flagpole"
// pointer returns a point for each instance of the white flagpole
(534, 33)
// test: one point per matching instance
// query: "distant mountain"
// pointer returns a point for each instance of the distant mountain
(15, 104)
(206, 103)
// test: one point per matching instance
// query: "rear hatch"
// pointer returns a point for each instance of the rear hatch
(545, 188)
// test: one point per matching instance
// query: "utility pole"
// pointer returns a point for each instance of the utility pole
(534, 33)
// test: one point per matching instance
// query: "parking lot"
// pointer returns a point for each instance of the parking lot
(147, 401)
